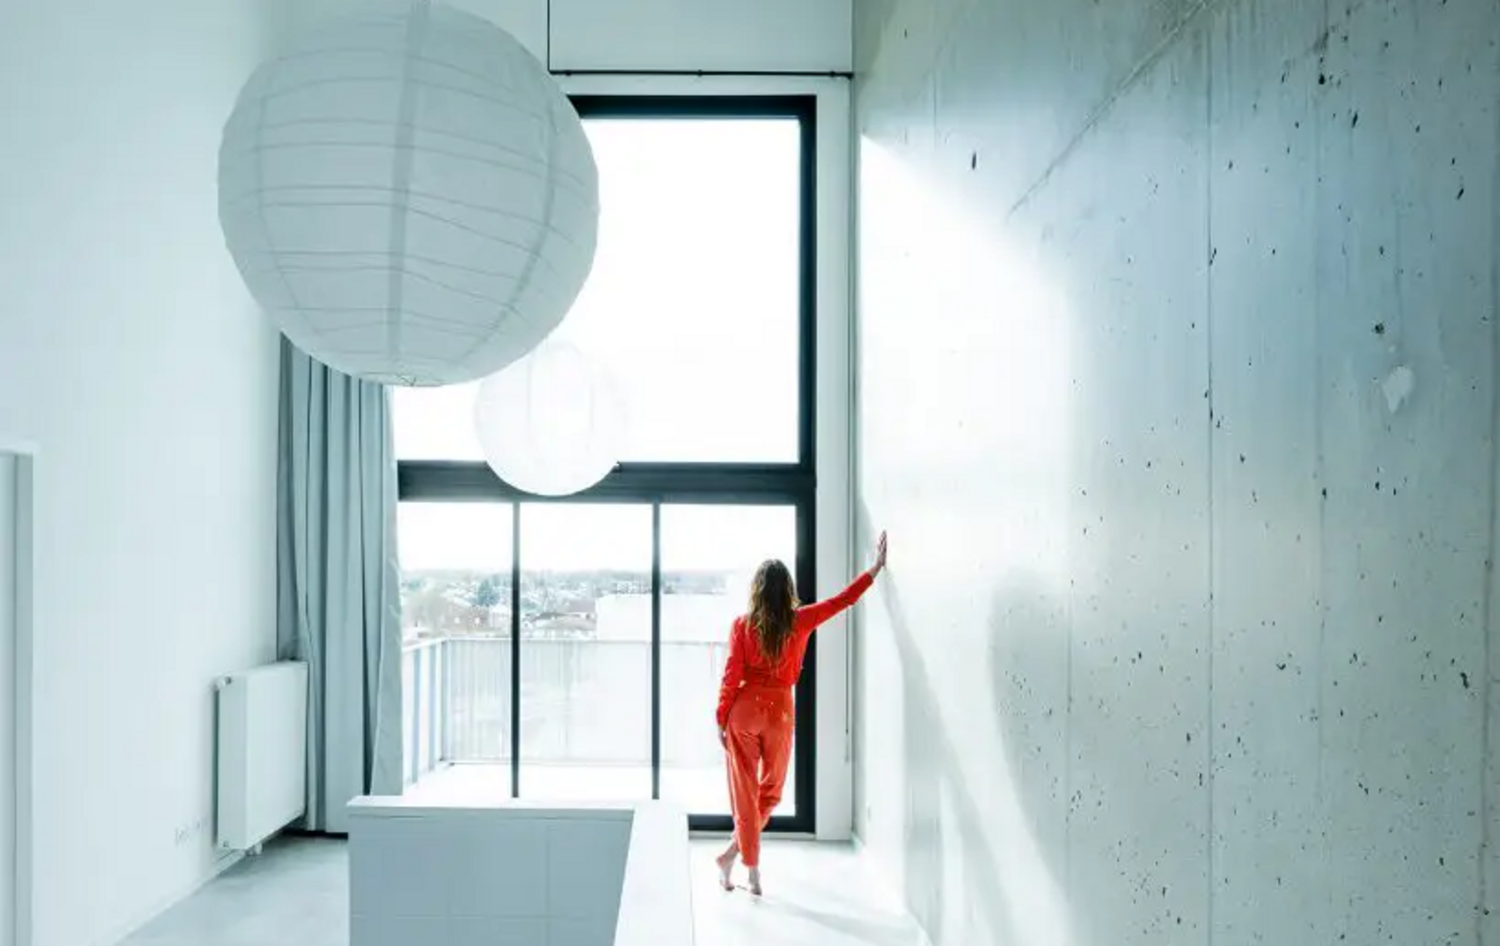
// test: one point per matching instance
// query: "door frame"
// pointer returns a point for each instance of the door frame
(24, 454)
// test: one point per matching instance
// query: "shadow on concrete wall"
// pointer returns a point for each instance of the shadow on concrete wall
(996, 863)
(936, 783)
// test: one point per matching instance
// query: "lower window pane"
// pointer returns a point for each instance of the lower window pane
(585, 652)
(455, 618)
(708, 554)
(585, 717)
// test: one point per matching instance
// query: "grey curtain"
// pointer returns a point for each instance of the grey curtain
(338, 595)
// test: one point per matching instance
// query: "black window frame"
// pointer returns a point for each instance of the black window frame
(689, 483)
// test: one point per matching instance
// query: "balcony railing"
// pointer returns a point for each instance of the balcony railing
(583, 702)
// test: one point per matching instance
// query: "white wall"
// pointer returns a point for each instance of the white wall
(1189, 611)
(8, 766)
(130, 352)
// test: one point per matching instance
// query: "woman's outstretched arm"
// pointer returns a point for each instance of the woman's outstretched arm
(813, 615)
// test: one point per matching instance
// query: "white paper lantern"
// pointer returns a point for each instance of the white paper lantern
(410, 195)
(553, 423)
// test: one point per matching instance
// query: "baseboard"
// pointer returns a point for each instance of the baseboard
(127, 929)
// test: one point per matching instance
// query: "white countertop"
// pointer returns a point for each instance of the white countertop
(656, 904)
(385, 806)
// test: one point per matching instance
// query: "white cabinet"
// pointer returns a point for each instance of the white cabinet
(658, 35)
(503, 873)
(707, 35)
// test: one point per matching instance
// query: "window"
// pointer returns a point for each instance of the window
(695, 301)
(586, 651)
(456, 564)
(598, 624)
(708, 555)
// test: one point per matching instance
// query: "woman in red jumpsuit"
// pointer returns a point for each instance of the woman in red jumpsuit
(755, 714)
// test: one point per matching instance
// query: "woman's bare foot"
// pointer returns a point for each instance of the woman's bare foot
(755, 881)
(726, 867)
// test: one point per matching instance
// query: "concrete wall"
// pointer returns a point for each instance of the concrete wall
(132, 355)
(1177, 392)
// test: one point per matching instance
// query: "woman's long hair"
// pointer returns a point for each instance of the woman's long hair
(773, 605)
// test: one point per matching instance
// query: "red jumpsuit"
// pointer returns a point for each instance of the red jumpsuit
(756, 714)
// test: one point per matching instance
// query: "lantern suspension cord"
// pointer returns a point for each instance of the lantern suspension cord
(401, 166)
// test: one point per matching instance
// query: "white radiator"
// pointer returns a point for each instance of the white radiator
(262, 753)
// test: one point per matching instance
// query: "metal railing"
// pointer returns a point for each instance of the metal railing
(422, 718)
(583, 702)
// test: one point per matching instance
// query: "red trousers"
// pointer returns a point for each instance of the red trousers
(759, 749)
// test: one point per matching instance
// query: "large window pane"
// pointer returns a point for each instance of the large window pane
(585, 652)
(693, 301)
(455, 616)
(455, 569)
(708, 554)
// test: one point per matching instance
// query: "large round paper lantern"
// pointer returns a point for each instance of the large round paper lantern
(410, 195)
(553, 423)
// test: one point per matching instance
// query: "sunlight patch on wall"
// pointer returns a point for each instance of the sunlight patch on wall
(973, 403)
(965, 401)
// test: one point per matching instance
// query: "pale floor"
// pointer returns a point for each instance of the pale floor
(296, 893)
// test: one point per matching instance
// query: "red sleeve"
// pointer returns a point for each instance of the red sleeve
(734, 672)
(809, 617)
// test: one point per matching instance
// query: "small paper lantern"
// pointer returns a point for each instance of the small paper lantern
(551, 424)
(410, 195)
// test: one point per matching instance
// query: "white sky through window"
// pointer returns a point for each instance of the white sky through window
(693, 307)
(692, 303)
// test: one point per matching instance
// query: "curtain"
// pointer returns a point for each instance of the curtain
(338, 594)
